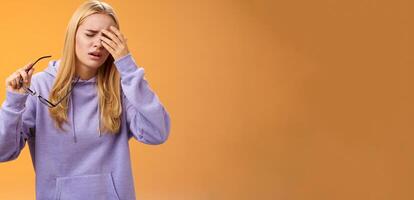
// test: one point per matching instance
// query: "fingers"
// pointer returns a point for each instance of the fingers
(109, 42)
(20, 78)
(30, 73)
(24, 76)
(108, 47)
(27, 67)
(115, 42)
(112, 36)
(29, 77)
(118, 33)
(13, 81)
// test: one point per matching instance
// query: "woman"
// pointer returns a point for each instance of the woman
(95, 99)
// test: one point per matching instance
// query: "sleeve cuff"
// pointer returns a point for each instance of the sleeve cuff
(126, 64)
(122, 58)
(15, 100)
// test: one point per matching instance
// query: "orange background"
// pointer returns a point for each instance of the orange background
(269, 99)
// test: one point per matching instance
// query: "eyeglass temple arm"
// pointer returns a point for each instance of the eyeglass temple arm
(31, 91)
(28, 69)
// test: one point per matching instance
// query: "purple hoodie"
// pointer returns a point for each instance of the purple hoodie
(81, 162)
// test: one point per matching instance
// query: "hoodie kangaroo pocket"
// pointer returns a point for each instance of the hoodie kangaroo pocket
(96, 186)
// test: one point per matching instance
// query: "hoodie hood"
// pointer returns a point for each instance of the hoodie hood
(53, 66)
(52, 70)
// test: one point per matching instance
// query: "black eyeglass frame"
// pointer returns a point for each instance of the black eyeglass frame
(42, 99)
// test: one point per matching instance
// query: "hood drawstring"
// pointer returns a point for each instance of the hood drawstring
(99, 120)
(73, 119)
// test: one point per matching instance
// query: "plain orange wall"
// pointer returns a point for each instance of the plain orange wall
(269, 99)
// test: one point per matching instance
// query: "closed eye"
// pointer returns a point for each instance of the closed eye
(88, 35)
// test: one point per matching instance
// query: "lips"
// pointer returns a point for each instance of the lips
(95, 55)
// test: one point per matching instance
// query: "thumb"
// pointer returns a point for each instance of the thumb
(27, 67)
(30, 73)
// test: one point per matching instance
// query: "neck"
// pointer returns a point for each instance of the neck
(85, 73)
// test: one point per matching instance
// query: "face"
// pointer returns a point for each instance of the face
(90, 54)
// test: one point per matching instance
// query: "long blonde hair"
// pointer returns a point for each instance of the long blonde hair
(108, 78)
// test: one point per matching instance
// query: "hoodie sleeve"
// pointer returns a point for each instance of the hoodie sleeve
(16, 120)
(147, 119)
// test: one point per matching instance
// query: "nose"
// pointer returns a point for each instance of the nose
(97, 43)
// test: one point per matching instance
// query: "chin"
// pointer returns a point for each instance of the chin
(94, 63)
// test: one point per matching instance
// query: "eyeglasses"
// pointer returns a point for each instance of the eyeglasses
(42, 99)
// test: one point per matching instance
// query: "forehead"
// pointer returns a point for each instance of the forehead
(97, 22)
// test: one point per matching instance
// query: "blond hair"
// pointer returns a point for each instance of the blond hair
(107, 80)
